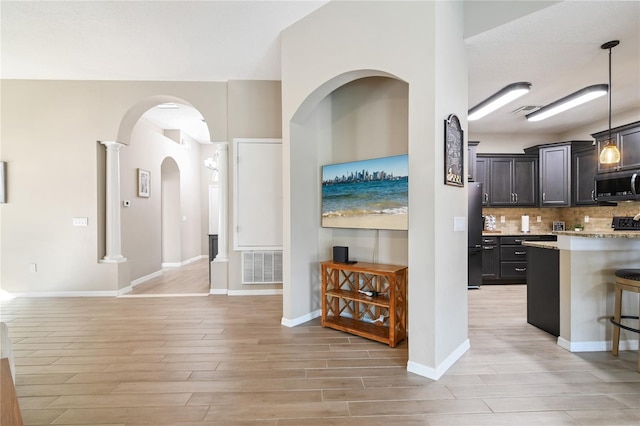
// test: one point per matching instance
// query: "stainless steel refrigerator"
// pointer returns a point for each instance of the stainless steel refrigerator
(474, 230)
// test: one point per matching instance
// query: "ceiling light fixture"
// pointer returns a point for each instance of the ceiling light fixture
(499, 99)
(573, 100)
(168, 105)
(610, 153)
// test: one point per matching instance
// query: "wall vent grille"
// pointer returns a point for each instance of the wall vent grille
(261, 267)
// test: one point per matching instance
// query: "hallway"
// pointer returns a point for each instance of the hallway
(191, 279)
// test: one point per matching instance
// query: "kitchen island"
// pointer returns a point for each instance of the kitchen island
(588, 261)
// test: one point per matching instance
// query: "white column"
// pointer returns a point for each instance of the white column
(112, 234)
(222, 153)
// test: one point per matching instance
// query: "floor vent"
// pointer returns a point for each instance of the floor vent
(261, 267)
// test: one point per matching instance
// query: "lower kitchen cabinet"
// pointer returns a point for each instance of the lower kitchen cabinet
(490, 258)
(543, 289)
(504, 259)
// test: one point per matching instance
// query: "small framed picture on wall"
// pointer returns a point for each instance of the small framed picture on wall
(558, 226)
(144, 183)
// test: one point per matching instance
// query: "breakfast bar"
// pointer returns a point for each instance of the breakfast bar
(587, 263)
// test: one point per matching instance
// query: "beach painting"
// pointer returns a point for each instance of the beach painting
(367, 194)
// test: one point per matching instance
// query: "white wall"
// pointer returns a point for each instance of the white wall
(56, 169)
(322, 53)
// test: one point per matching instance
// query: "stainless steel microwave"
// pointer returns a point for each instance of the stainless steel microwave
(618, 186)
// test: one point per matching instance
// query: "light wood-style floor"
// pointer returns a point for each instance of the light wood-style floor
(190, 279)
(221, 360)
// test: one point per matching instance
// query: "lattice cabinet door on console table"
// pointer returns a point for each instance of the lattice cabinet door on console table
(346, 306)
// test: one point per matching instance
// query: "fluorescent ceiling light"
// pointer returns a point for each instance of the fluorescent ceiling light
(501, 98)
(573, 100)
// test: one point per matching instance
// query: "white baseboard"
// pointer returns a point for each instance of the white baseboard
(145, 278)
(272, 292)
(184, 262)
(436, 373)
(596, 346)
(68, 294)
(300, 320)
(219, 291)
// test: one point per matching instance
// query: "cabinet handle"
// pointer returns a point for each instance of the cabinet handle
(488, 247)
(521, 269)
(633, 183)
(486, 197)
(516, 194)
(544, 197)
(520, 252)
(517, 241)
(593, 195)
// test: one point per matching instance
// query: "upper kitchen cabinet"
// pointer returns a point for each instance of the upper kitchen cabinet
(481, 171)
(555, 172)
(627, 138)
(473, 152)
(510, 180)
(584, 166)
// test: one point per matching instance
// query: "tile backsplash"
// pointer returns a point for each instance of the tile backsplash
(599, 216)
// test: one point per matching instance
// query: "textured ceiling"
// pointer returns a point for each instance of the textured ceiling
(557, 49)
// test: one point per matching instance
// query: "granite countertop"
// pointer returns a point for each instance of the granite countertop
(513, 234)
(542, 244)
(600, 234)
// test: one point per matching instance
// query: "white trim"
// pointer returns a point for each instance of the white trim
(272, 292)
(184, 262)
(140, 280)
(218, 291)
(597, 346)
(167, 295)
(68, 294)
(436, 373)
(300, 320)
(125, 290)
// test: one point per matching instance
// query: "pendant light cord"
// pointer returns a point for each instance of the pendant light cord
(610, 89)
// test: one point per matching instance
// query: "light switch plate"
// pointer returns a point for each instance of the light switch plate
(80, 221)
(458, 223)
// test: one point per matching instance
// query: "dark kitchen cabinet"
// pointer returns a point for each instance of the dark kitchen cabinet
(513, 259)
(512, 181)
(472, 151)
(556, 171)
(482, 176)
(543, 289)
(627, 138)
(584, 166)
(504, 258)
(490, 258)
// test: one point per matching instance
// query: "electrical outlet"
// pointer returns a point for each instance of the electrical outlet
(503, 219)
(586, 219)
(538, 219)
(33, 267)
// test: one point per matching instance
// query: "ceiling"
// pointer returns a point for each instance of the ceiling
(557, 49)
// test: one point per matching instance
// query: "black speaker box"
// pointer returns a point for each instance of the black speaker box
(341, 254)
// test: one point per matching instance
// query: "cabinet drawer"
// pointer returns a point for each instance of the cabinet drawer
(489, 241)
(515, 240)
(513, 269)
(517, 253)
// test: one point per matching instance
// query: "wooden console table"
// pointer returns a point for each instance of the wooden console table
(381, 317)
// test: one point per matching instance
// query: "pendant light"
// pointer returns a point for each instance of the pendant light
(610, 153)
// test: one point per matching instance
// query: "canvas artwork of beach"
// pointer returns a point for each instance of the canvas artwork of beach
(369, 194)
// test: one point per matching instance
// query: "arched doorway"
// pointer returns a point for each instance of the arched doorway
(165, 227)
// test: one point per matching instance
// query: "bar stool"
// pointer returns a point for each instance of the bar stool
(626, 280)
